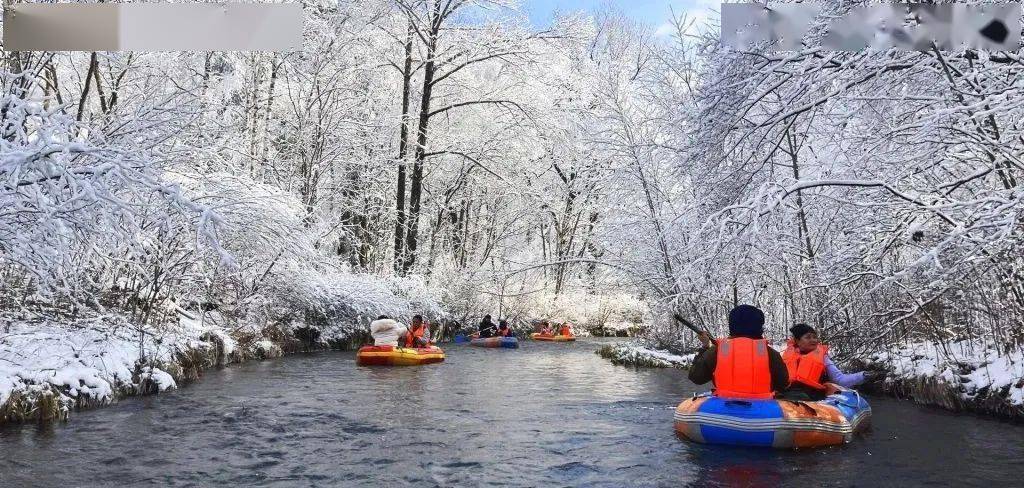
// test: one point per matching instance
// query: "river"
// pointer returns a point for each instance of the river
(545, 414)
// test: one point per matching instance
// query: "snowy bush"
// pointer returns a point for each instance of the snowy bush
(82, 216)
(633, 354)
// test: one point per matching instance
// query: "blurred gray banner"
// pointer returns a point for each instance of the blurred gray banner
(153, 27)
(911, 26)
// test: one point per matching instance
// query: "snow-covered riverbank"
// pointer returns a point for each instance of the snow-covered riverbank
(49, 370)
(636, 354)
(959, 377)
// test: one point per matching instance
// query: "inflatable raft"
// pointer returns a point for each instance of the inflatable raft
(398, 356)
(553, 338)
(506, 342)
(783, 424)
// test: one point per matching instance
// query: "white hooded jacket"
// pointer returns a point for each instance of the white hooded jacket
(386, 332)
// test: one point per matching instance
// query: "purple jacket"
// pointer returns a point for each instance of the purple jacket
(840, 378)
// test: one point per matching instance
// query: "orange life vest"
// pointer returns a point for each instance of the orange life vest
(504, 332)
(742, 370)
(410, 338)
(807, 368)
(566, 331)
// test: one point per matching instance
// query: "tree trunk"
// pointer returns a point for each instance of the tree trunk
(403, 150)
(252, 113)
(85, 89)
(416, 189)
(803, 230)
(265, 143)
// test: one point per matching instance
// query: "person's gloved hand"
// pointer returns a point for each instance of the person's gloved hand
(705, 339)
(874, 376)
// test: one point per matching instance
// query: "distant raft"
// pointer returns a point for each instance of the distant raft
(398, 356)
(775, 423)
(553, 338)
(506, 342)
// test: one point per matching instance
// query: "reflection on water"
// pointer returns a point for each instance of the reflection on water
(545, 414)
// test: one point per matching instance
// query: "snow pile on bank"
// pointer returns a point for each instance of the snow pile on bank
(971, 370)
(88, 361)
(265, 349)
(635, 354)
(162, 379)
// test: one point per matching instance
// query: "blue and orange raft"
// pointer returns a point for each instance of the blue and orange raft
(505, 342)
(778, 423)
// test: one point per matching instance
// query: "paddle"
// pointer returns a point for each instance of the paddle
(689, 325)
(461, 338)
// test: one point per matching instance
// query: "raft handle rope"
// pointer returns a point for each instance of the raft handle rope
(856, 394)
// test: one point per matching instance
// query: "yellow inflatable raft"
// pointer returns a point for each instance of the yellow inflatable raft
(552, 338)
(398, 356)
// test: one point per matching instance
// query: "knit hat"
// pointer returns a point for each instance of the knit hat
(799, 330)
(746, 321)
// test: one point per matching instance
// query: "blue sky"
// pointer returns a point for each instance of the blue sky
(654, 12)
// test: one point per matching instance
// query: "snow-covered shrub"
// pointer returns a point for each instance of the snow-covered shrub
(633, 354)
(82, 215)
(280, 278)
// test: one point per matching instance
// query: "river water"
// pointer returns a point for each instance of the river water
(543, 415)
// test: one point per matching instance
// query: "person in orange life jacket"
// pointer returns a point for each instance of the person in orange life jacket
(414, 336)
(566, 330)
(503, 330)
(812, 374)
(743, 365)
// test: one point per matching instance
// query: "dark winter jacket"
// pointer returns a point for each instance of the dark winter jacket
(703, 368)
(487, 328)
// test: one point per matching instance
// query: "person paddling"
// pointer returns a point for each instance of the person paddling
(487, 327)
(414, 336)
(742, 365)
(812, 374)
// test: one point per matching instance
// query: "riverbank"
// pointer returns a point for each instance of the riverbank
(958, 377)
(49, 370)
